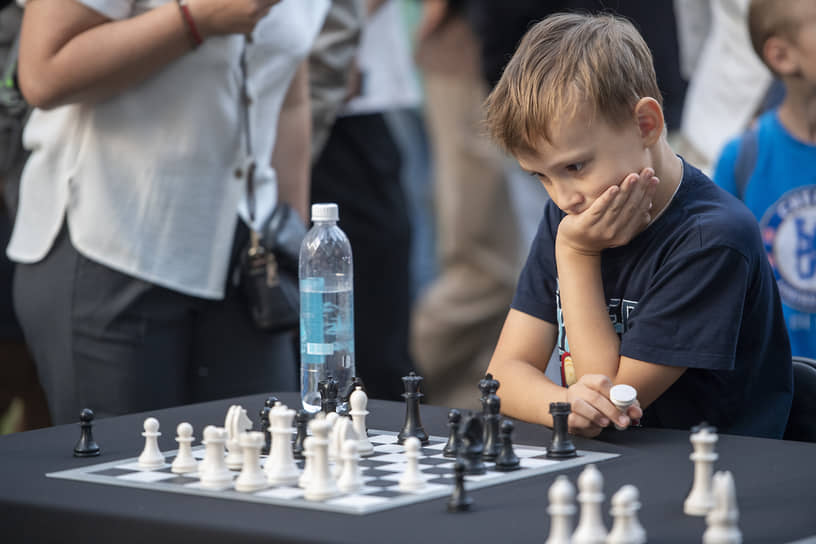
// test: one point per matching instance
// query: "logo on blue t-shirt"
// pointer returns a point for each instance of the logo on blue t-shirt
(789, 234)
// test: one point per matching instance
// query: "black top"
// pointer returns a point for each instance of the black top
(695, 290)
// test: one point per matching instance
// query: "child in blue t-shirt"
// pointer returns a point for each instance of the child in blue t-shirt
(642, 272)
(780, 189)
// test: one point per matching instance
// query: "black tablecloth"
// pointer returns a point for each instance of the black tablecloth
(775, 481)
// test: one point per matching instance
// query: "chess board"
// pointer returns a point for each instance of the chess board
(381, 473)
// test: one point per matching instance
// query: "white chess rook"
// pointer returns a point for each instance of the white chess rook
(184, 462)
(722, 520)
(252, 478)
(151, 456)
(359, 403)
(280, 464)
(700, 499)
(561, 510)
(590, 529)
(214, 473)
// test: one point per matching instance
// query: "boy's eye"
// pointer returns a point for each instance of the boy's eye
(576, 166)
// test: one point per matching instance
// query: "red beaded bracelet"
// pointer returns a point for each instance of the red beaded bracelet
(191, 26)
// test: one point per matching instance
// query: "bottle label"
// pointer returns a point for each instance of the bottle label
(312, 347)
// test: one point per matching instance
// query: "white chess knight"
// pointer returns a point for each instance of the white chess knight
(252, 478)
(351, 478)
(280, 465)
(722, 519)
(151, 456)
(235, 423)
(214, 472)
(590, 529)
(184, 462)
(412, 479)
(561, 510)
(321, 485)
(700, 499)
(359, 403)
(626, 529)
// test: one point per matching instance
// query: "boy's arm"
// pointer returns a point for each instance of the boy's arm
(619, 214)
(519, 363)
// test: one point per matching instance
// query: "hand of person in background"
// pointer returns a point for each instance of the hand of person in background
(216, 17)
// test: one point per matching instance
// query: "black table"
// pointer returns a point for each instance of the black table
(775, 481)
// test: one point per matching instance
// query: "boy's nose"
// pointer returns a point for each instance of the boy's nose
(569, 200)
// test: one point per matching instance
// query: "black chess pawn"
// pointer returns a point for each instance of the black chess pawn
(561, 446)
(356, 382)
(413, 423)
(263, 416)
(459, 501)
(507, 459)
(492, 444)
(470, 453)
(301, 424)
(328, 390)
(270, 401)
(454, 441)
(86, 446)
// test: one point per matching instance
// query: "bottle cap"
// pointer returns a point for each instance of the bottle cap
(325, 212)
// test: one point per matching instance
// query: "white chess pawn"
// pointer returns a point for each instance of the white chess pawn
(622, 396)
(700, 500)
(306, 475)
(626, 528)
(321, 485)
(332, 418)
(561, 510)
(252, 478)
(343, 430)
(151, 456)
(590, 529)
(412, 479)
(184, 461)
(236, 423)
(351, 478)
(359, 402)
(280, 465)
(215, 474)
(722, 520)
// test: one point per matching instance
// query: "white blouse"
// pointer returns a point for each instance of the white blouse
(150, 180)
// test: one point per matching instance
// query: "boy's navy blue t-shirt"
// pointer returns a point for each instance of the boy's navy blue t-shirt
(693, 290)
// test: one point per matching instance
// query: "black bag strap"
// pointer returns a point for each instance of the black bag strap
(746, 159)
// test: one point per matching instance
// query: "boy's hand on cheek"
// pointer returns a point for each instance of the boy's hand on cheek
(613, 219)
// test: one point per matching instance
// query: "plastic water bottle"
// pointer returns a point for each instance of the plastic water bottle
(326, 307)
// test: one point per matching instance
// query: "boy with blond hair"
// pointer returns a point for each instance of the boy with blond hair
(642, 272)
(772, 167)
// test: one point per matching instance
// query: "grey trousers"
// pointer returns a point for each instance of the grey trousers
(116, 344)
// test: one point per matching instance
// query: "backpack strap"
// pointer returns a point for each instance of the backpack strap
(746, 159)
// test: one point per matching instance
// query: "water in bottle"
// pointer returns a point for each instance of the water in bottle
(326, 307)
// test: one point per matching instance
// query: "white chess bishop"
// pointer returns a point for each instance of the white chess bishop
(359, 403)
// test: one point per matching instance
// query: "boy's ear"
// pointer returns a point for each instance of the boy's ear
(650, 120)
(780, 56)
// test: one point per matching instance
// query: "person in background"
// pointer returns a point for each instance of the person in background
(154, 151)
(456, 321)
(772, 167)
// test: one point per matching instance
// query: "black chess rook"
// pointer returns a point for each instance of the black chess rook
(413, 423)
(561, 446)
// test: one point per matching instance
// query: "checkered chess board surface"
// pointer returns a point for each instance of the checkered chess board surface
(381, 473)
